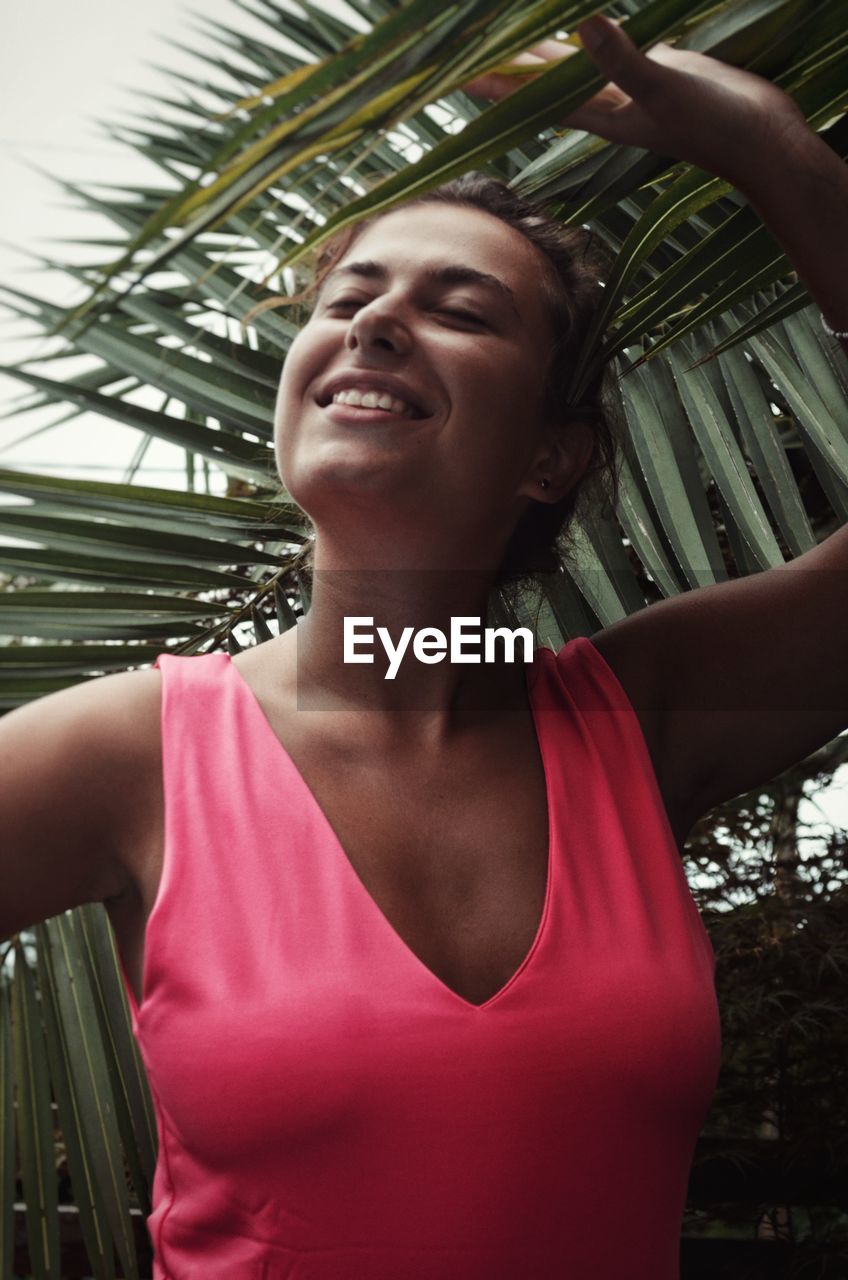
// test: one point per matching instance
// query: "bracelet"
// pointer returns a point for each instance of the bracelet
(834, 333)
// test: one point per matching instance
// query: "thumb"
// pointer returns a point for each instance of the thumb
(617, 57)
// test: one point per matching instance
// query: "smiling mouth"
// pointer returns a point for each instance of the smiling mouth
(361, 413)
(372, 402)
(372, 412)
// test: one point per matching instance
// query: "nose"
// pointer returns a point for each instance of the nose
(378, 327)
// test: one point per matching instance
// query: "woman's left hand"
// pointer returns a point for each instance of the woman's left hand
(685, 105)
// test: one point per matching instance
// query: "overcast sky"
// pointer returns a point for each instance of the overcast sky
(64, 66)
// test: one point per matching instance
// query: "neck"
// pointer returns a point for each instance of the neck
(398, 685)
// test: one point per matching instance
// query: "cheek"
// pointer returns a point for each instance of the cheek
(310, 356)
(286, 415)
(282, 419)
(294, 379)
(504, 392)
(480, 381)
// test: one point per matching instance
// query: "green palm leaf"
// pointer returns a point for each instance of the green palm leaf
(7, 1134)
(35, 1123)
(98, 1241)
(133, 1103)
(89, 1080)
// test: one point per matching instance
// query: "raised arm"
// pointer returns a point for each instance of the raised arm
(729, 122)
(734, 682)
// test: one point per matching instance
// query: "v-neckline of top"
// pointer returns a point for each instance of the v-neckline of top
(531, 674)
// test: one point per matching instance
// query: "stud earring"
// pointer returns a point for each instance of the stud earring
(544, 483)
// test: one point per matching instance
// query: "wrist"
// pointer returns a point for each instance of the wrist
(842, 334)
(801, 166)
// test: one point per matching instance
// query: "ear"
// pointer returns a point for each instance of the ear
(561, 461)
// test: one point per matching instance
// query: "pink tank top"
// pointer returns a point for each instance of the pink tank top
(328, 1109)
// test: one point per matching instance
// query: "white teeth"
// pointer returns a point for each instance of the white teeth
(373, 400)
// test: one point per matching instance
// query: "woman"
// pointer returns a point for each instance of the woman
(413, 964)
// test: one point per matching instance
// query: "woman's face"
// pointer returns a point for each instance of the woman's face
(440, 310)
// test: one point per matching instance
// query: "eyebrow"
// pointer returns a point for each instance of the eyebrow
(454, 274)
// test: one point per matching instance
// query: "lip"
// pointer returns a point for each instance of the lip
(364, 379)
(356, 415)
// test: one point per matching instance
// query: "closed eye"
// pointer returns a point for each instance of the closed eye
(458, 314)
(345, 302)
(454, 313)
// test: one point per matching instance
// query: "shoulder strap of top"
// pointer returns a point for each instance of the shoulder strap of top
(577, 681)
(195, 694)
(589, 712)
(236, 816)
(580, 670)
(189, 669)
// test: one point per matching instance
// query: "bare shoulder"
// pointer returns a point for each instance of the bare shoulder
(125, 711)
(627, 650)
(80, 768)
(100, 728)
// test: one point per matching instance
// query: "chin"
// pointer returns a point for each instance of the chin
(345, 476)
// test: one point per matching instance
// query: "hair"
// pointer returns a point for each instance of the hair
(573, 286)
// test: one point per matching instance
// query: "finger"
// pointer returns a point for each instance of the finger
(607, 104)
(489, 86)
(553, 50)
(611, 125)
(495, 85)
(531, 57)
(617, 57)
